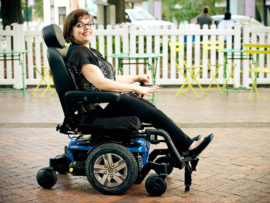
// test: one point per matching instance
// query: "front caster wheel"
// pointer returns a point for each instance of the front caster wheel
(155, 185)
(46, 177)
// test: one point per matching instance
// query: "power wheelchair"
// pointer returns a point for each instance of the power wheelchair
(113, 153)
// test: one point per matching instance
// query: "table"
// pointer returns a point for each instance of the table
(235, 54)
(14, 55)
(124, 59)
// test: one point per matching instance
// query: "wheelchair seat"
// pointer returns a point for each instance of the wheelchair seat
(69, 96)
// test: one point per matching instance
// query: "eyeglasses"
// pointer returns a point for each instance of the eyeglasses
(83, 25)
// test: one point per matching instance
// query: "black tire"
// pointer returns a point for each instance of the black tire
(116, 177)
(46, 177)
(164, 159)
(155, 185)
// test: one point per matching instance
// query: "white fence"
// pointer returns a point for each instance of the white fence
(128, 39)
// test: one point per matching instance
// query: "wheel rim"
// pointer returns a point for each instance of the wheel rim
(110, 170)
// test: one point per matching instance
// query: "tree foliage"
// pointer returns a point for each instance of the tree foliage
(188, 10)
(38, 9)
(11, 12)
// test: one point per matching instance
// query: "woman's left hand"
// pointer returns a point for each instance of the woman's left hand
(145, 78)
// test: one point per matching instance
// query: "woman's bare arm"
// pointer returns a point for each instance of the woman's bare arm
(145, 78)
(94, 75)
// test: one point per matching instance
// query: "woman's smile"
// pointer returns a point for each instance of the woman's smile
(83, 31)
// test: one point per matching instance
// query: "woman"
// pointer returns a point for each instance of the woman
(90, 71)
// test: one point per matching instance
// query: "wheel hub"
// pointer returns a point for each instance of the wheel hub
(110, 170)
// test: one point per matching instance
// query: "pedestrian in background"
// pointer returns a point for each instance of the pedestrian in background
(204, 18)
(227, 22)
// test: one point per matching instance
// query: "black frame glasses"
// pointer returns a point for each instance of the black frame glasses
(81, 25)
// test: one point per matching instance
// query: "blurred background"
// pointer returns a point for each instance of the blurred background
(37, 12)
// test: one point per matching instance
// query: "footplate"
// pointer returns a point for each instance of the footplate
(189, 168)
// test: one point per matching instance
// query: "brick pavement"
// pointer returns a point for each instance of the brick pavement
(234, 168)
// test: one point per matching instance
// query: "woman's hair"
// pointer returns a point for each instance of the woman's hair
(206, 9)
(71, 20)
(227, 16)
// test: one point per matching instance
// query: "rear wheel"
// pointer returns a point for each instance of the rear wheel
(111, 168)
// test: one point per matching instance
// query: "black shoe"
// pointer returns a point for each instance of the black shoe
(198, 137)
(195, 152)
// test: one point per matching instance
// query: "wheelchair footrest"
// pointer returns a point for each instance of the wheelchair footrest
(194, 164)
(189, 168)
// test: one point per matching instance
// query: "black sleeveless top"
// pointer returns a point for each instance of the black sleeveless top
(79, 55)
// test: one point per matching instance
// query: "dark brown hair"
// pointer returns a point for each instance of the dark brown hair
(206, 9)
(71, 20)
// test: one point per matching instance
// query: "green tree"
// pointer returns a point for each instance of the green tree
(38, 9)
(11, 12)
(188, 10)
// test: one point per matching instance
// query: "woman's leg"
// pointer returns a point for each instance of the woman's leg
(148, 113)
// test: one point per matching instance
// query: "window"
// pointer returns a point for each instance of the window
(62, 15)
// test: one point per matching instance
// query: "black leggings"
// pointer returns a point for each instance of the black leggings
(130, 105)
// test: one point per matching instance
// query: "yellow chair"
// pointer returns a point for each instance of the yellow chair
(251, 50)
(191, 75)
(44, 73)
(208, 46)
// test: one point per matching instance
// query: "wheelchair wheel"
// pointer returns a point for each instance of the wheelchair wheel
(46, 177)
(155, 185)
(111, 168)
(163, 159)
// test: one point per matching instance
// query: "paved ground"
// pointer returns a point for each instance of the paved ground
(234, 168)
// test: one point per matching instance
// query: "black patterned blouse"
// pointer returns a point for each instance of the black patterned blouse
(79, 55)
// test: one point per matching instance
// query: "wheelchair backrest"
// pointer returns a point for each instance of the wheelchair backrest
(56, 53)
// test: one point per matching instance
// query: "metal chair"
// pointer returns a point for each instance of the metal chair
(44, 73)
(254, 51)
(213, 68)
(189, 73)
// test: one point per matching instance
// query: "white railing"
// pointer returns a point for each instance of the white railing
(129, 39)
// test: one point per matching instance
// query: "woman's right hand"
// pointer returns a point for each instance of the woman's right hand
(142, 90)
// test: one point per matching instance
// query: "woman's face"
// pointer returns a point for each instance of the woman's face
(82, 32)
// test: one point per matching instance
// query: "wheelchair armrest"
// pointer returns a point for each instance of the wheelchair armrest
(91, 97)
(75, 97)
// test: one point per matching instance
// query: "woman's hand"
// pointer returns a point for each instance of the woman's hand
(145, 79)
(141, 90)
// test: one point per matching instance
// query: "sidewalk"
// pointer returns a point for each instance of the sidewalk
(208, 111)
(234, 168)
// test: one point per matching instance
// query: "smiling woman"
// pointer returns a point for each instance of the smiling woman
(75, 24)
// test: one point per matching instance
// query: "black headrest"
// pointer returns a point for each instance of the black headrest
(53, 36)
